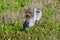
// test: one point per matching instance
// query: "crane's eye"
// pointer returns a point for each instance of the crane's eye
(38, 12)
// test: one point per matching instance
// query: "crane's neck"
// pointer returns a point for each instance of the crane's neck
(35, 14)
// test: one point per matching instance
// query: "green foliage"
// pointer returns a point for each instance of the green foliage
(12, 5)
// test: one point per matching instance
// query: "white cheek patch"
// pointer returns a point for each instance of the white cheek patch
(38, 16)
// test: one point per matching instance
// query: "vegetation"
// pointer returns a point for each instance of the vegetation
(46, 29)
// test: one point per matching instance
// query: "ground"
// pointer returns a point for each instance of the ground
(12, 17)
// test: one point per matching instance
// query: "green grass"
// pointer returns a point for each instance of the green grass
(12, 5)
(47, 30)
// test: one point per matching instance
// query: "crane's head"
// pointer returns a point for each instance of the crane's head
(37, 10)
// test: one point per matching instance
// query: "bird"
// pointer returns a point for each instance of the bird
(30, 22)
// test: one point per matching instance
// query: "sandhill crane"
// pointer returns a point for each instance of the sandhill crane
(30, 22)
